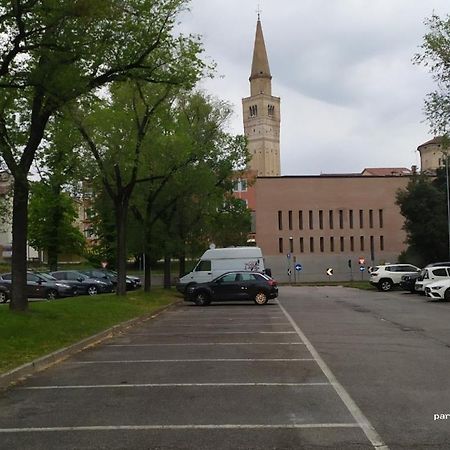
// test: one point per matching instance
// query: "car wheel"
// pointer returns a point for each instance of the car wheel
(385, 285)
(51, 294)
(92, 290)
(447, 295)
(261, 298)
(202, 299)
(3, 297)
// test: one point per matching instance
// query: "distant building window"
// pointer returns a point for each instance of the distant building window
(240, 185)
(361, 243)
(271, 110)
(372, 249)
(322, 249)
(371, 218)
(253, 111)
(280, 245)
(341, 219)
(321, 219)
(342, 243)
(291, 245)
(380, 217)
(311, 244)
(352, 244)
(280, 220)
(361, 218)
(331, 244)
(331, 219)
(350, 218)
(382, 243)
(300, 220)
(302, 245)
(290, 219)
(311, 221)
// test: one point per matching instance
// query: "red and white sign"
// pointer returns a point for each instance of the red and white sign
(361, 261)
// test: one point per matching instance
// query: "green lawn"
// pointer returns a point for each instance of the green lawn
(49, 326)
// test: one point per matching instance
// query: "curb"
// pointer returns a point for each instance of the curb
(20, 373)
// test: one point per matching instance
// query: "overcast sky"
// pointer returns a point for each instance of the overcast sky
(350, 96)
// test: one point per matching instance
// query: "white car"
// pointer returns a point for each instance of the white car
(387, 276)
(439, 290)
(431, 275)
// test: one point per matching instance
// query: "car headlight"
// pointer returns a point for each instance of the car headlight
(101, 282)
(62, 285)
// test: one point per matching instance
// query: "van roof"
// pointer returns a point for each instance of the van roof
(233, 252)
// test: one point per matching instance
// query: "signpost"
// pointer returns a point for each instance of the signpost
(362, 269)
(298, 267)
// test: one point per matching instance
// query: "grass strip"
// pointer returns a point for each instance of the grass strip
(49, 326)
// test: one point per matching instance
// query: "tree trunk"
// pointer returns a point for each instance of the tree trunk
(167, 281)
(147, 273)
(19, 298)
(121, 206)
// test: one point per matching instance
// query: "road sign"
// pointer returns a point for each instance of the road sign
(289, 271)
(361, 261)
(298, 267)
(330, 271)
(362, 268)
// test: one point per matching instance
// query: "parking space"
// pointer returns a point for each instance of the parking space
(225, 376)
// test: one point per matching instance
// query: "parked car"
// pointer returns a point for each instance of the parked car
(4, 294)
(236, 285)
(408, 282)
(439, 290)
(430, 275)
(41, 285)
(385, 277)
(83, 283)
(103, 274)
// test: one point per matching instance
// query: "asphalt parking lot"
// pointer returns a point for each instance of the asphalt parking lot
(234, 376)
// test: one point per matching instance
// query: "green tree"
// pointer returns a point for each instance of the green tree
(52, 216)
(53, 52)
(424, 199)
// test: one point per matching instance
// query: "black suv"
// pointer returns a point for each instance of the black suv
(236, 285)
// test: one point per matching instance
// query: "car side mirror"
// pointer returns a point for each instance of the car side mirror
(219, 281)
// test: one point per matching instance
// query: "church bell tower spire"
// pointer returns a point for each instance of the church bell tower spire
(261, 112)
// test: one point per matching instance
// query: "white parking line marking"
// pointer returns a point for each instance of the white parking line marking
(162, 385)
(145, 361)
(193, 344)
(180, 427)
(354, 410)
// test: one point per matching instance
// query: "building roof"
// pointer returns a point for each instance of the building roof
(435, 141)
(260, 63)
(385, 171)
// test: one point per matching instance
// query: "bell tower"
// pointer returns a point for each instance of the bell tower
(261, 113)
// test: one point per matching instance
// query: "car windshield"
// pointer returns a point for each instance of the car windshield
(46, 276)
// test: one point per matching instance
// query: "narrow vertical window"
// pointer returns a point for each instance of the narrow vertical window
(302, 246)
(290, 219)
(322, 249)
(382, 243)
(311, 222)
(331, 219)
(361, 243)
(291, 245)
(311, 244)
(352, 244)
(280, 245)
(371, 218)
(380, 217)
(350, 218)
(341, 219)
(361, 218)
(372, 249)
(321, 219)
(331, 244)
(300, 220)
(341, 240)
(280, 220)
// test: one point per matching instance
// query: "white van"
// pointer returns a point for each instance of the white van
(431, 275)
(217, 261)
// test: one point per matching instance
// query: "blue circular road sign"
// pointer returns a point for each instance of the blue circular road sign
(298, 267)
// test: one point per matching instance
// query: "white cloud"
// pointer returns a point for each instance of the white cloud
(350, 95)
